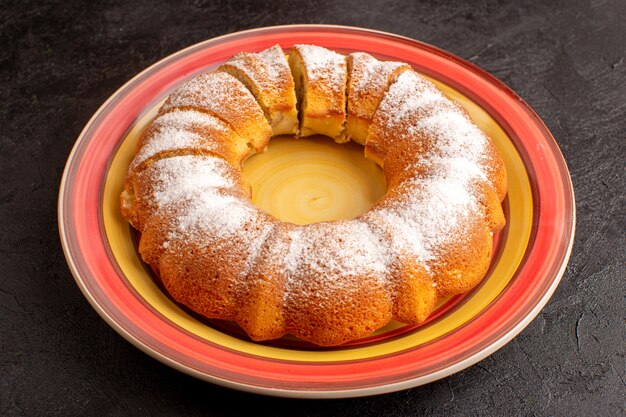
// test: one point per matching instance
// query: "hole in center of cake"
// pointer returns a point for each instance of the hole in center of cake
(313, 179)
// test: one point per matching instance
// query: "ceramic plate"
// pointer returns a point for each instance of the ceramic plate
(529, 260)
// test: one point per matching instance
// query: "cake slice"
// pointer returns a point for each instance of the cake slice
(268, 77)
(218, 228)
(367, 82)
(223, 96)
(320, 77)
(261, 312)
(188, 132)
(392, 141)
(171, 180)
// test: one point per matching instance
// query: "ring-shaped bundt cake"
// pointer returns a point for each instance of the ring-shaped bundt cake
(429, 236)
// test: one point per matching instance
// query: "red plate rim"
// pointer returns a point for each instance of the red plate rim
(538, 276)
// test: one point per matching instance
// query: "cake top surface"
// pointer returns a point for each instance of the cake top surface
(324, 64)
(370, 72)
(427, 209)
(435, 206)
(221, 95)
(178, 130)
(268, 69)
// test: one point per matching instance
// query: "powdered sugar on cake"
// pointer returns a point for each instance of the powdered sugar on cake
(372, 72)
(254, 249)
(350, 248)
(410, 94)
(434, 207)
(324, 64)
(421, 224)
(267, 69)
(274, 62)
(218, 93)
(199, 190)
(210, 217)
(186, 177)
(331, 256)
(175, 130)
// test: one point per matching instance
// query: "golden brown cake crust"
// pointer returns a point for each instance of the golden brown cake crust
(429, 236)
(268, 76)
(367, 83)
(223, 96)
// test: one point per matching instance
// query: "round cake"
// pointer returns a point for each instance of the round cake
(429, 236)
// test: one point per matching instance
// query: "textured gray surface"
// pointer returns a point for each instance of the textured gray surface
(59, 61)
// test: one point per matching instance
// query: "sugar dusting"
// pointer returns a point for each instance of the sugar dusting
(175, 130)
(348, 247)
(267, 68)
(254, 249)
(408, 95)
(419, 226)
(210, 217)
(433, 208)
(372, 70)
(221, 95)
(215, 91)
(324, 66)
(200, 190)
(330, 254)
(436, 207)
(186, 177)
(275, 62)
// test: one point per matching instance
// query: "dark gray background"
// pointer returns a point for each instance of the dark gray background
(59, 61)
